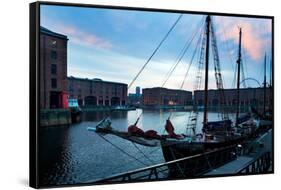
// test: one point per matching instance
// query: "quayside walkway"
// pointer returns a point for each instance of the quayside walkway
(258, 161)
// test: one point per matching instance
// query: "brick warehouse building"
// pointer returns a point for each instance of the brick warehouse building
(163, 96)
(53, 69)
(248, 96)
(96, 92)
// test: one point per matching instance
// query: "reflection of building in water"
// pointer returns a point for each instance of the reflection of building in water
(248, 96)
(53, 69)
(164, 96)
(135, 99)
(96, 92)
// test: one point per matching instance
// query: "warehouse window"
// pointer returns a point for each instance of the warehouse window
(53, 69)
(54, 54)
(54, 83)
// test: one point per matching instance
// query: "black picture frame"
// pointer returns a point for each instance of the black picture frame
(34, 91)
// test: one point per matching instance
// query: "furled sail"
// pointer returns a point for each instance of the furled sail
(135, 134)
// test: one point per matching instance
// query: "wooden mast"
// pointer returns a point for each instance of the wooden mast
(238, 78)
(264, 85)
(270, 84)
(208, 21)
(270, 74)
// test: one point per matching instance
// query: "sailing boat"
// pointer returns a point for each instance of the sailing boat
(216, 134)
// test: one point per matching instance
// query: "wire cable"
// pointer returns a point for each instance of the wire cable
(181, 55)
(194, 53)
(124, 152)
(165, 37)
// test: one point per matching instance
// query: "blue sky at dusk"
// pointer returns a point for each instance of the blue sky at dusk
(114, 44)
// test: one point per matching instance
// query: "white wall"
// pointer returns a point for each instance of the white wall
(14, 92)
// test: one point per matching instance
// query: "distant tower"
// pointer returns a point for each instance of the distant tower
(137, 91)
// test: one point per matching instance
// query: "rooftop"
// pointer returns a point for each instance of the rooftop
(51, 33)
(231, 89)
(161, 88)
(95, 80)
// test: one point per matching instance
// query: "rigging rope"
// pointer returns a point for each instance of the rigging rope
(234, 77)
(200, 59)
(165, 37)
(137, 146)
(127, 162)
(137, 159)
(183, 52)
(194, 53)
(218, 75)
(152, 162)
(245, 61)
(179, 58)
(226, 44)
(124, 152)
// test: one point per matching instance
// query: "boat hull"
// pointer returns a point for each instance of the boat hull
(204, 162)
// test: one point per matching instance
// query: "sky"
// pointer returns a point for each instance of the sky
(113, 45)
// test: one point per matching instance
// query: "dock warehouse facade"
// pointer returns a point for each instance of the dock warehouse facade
(53, 69)
(163, 96)
(96, 92)
(248, 96)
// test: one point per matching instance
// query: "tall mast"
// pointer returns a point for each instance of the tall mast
(270, 84)
(238, 77)
(264, 84)
(208, 21)
(270, 74)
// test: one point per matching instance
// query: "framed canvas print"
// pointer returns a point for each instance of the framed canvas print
(121, 94)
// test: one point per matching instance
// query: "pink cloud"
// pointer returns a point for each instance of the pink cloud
(83, 38)
(253, 40)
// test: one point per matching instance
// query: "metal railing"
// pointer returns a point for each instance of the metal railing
(185, 167)
(261, 164)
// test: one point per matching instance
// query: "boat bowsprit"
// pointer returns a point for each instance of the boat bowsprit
(146, 139)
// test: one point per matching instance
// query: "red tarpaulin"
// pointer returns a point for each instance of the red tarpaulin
(170, 129)
(134, 130)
